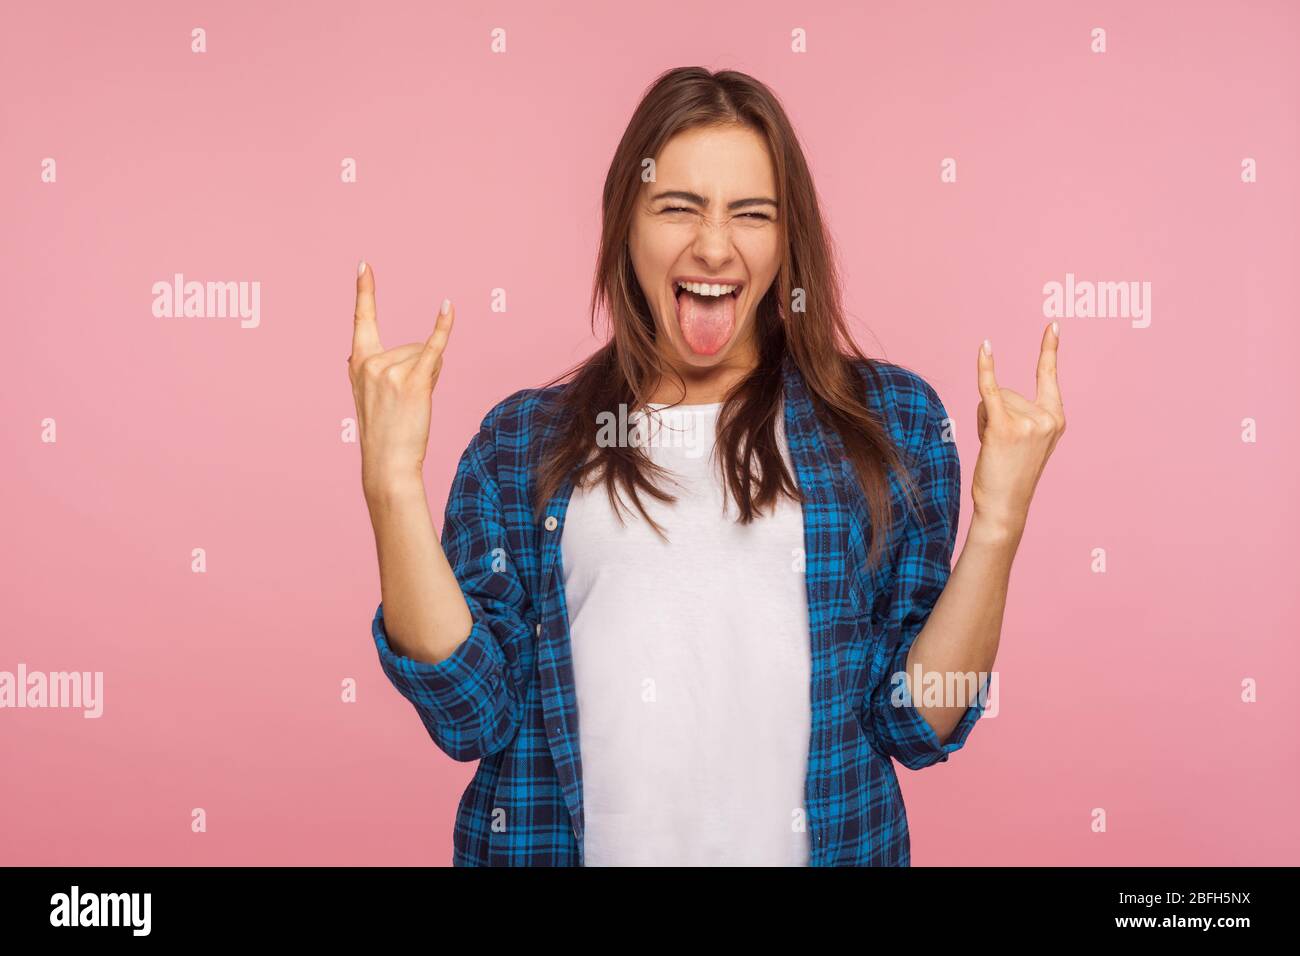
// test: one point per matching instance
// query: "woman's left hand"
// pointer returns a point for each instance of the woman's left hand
(1017, 437)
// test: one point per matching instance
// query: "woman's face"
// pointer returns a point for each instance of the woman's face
(710, 216)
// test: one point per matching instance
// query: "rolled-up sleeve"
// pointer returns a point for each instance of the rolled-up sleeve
(471, 702)
(922, 563)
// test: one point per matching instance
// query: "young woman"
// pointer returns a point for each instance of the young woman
(694, 596)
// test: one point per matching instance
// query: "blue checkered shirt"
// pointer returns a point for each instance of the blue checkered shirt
(506, 696)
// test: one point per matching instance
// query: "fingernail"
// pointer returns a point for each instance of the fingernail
(446, 307)
(361, 267)
(988, 347)
(1056, 328)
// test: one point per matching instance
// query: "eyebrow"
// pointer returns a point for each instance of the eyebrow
(701, 201)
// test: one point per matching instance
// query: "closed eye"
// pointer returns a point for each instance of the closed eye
(755, 215)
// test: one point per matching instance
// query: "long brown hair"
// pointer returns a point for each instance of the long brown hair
(625, 369)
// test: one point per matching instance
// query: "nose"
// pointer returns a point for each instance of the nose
(713, 238)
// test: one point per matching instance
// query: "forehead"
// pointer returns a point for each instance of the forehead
(716, 162)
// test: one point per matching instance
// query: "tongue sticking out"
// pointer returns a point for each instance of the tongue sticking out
(706, 321)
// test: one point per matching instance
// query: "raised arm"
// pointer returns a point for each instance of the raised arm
(450, 629)
(951, 623)
(426, 616)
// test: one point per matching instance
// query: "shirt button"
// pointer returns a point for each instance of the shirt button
(551, 523)
(539, 630)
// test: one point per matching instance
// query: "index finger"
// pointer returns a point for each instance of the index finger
(365, 327)
(1049, 390)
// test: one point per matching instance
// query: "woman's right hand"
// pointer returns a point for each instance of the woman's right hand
(393, 391)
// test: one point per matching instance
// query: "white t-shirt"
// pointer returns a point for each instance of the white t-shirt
(692, 663)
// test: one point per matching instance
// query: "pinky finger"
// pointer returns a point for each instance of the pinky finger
(437, 342)
(988, 383)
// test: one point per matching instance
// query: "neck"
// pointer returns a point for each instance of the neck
(698, 386)
(688, 385)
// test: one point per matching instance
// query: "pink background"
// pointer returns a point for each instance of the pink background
(480, 171)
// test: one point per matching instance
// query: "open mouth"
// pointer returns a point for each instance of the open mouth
(706, 313)
(698, 288)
